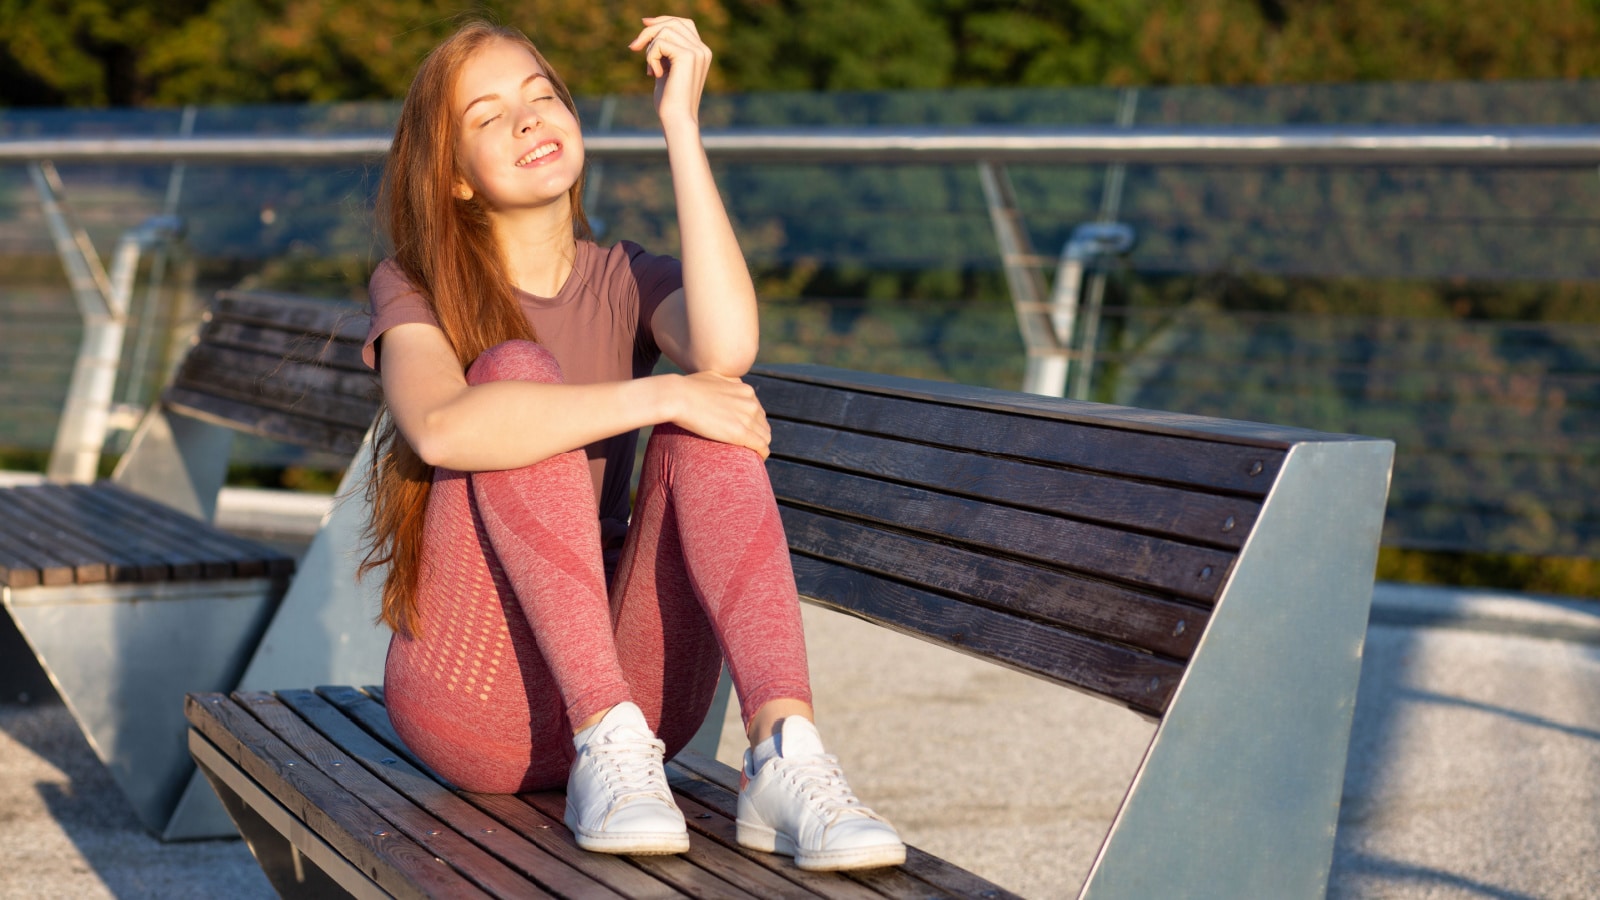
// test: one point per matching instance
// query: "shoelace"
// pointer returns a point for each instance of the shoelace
(821, 782)
(631, 767)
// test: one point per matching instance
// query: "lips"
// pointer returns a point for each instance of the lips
(539, 154)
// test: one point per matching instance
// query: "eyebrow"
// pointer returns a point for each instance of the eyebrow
(525, 82)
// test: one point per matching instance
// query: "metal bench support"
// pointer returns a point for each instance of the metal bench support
(1261, 720)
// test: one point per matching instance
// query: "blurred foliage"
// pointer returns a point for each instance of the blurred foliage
(1577, 577)
(140, 52)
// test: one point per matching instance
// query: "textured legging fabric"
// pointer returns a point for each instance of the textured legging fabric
(520, 638)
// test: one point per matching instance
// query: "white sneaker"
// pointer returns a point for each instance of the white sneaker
(799, 805)
(617, 795)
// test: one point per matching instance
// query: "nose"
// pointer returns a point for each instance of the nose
(529, 118)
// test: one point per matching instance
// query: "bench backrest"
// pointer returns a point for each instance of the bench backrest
(1212, 575)
(1081, 543)
(282, 367)
(1060, 538)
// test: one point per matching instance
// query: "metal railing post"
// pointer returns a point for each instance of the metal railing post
(103, 303)
(1046, 371)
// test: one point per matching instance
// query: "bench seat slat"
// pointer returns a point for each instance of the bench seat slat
(285, 345)
(1223, 466)
(222, 555)
(359, 834)
(1138, 680)
(346, 770)
(717, 824)
(1095, 608)
(243, 415)
(24, 565)
(1186, 570)
(921, 866)
(712, 811)
(423, 789)
(538, 816)
(128, 556)
(81, 558)
(1219, 520)
(184, 561)
(548, 832)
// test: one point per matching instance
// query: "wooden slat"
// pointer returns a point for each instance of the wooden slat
(547, 809)
(1147, 421)
(128, 558)
(84, 560)
(317, 392)
(1188, 571)
(395, 862)
(184, 562)
(28, 566)
(317, 349)
(243, 415)
(1139, 680)
(924, 867)
(548, 833)
(429, 794)
(1091, 607)
(1155, 509)
(1182, 461)
(712, 811)
(350, 772)
(708, 875)
(222, 555)
(295, 313)
(28, 563)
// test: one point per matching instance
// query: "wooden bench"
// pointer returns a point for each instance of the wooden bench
(1213, 576)
(125, 591)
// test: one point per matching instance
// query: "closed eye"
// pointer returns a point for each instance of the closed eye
(487, 121)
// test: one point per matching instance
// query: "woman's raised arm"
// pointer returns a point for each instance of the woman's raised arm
(711, 325)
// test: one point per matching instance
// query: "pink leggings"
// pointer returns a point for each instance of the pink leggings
(520, 639)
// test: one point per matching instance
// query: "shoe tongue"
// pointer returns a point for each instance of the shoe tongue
(798, 739)
(625, 720)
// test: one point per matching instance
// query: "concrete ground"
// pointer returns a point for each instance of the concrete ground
(1474, 767)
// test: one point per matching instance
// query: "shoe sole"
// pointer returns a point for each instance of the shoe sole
(648, 844)
(759, 837)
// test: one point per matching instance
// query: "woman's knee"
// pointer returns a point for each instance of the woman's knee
(515, 361)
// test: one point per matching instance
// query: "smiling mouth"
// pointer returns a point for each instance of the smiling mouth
(538, 153)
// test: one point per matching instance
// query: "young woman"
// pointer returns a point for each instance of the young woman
(543, 631)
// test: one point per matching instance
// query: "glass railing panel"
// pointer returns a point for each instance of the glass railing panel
(1453, 309)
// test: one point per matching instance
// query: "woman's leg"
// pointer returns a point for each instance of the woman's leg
(707, 564)
(705, 571)
(517, 647)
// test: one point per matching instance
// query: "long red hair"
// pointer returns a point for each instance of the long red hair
(447, 249)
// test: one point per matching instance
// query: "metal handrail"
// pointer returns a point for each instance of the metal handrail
(1554, 145)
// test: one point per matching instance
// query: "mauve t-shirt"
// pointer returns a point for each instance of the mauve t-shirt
(597, 327)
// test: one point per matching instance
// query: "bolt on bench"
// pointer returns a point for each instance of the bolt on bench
(125, 591)
(1213, 576)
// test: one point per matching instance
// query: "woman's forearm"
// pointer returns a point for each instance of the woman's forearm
(720, 298)
(510, 424)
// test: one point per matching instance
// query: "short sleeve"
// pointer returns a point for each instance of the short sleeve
(394, 302)
(657, 277)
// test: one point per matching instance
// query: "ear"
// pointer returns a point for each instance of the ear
(462, 190)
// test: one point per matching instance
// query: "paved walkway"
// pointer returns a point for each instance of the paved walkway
(1474, 768)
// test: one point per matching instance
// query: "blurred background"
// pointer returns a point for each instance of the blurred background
(1454, 309)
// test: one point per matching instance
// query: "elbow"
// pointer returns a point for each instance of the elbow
(435, 443)
(733, 361)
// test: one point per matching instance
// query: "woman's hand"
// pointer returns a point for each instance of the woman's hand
(723, 409)
(679, 61)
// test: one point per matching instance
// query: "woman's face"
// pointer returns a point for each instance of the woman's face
(519, 146)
